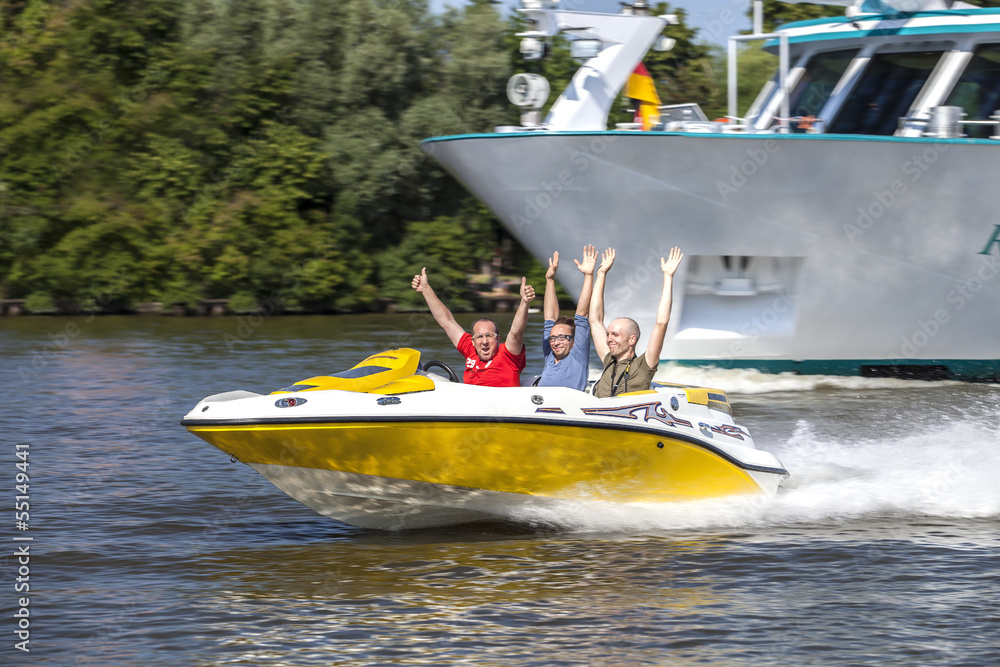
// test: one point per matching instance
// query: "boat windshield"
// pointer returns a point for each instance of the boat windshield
(978, 91)
(817, 83)
(885, 93)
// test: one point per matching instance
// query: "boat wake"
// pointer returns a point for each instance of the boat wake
(940, 476)
(749, 381)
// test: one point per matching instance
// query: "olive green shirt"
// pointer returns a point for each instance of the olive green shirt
(640, 375)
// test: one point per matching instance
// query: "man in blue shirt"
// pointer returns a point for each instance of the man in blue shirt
(565, 340)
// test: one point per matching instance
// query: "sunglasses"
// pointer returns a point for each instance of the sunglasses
(566, 337)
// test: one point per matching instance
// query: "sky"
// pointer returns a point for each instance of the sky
(715, 19)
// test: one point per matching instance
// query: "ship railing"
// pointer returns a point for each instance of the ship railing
(758, 35)
(946, 122)
(782, 38)
(801, 124)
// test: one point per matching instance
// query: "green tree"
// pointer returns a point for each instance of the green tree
(449, 247)
(778, 13)
(692, 71)
(78, 81)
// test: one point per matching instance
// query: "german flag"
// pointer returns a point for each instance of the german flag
(642, 91)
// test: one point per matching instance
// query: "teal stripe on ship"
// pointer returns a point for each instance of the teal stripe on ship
(985, 370)
(760, 136)
(890, 17)
(881, 32)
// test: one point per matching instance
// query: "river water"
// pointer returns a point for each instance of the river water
(146, 546)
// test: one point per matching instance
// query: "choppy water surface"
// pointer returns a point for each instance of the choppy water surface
(151, 548)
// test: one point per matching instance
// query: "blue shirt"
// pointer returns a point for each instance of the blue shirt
(572, 371)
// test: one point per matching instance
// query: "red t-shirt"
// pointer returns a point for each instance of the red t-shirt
(503, 370)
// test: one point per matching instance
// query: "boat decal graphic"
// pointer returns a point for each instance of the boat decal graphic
(653, 411)
(726, 429)
(551, 411)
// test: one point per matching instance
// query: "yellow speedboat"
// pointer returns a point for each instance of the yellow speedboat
(390, 445)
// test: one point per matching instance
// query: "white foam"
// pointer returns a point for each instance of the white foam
(946, 472)
(751, 381)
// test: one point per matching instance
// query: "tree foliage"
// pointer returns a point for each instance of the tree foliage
(182, 150)
(777, 13)
(265, 149)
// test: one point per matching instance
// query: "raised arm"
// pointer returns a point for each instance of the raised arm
(515, 339)
(440, 311)
(550, 302)
(655, 344)
(596, 315)
(587, 268)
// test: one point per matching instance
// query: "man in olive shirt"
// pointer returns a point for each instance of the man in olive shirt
(624, 370)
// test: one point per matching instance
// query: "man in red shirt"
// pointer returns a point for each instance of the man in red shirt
(487, 361)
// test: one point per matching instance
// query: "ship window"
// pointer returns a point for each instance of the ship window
(978, 91)
(885, 93)
(817, 83)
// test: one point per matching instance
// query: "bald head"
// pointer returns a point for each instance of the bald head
(631, 327)
(623, 336)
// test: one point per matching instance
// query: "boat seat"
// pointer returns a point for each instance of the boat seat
(531, 381)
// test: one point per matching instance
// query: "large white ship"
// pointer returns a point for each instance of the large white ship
(848, 223)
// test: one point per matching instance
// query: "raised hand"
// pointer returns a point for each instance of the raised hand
(527, 291)
(589, 260)
(669, 265)
(550, 274)
(607, 259)
(419, 282)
